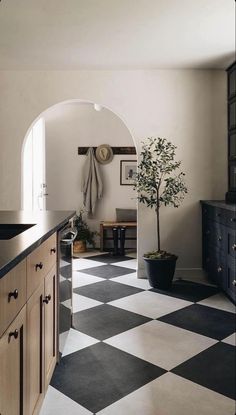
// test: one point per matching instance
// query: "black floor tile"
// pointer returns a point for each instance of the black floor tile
(107, 271)
(106, 291)
(214, 368)
(105, 321)
(99, 375)
(66, 271)
(187, 290)
(64, 318)
(109, 258)
(65, 290)
(207, 321)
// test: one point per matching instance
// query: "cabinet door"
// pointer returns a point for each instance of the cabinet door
(35, 342)
(12, 367)
(50, 310)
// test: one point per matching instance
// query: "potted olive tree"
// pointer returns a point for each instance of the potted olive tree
(84, 234)
(159, 182)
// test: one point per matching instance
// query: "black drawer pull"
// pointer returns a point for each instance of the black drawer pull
(13, 334)
(219, 238)
(53, 250)
(219, 269)
(234, 247)
(13, 294)
(40, 266)
(234, 282)
(232, 219)
(47, 299)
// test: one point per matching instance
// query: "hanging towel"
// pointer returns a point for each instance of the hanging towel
(91, 182)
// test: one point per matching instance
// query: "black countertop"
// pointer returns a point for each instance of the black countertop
(13, 250)
(220, 204)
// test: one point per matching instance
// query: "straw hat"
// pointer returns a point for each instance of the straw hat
(104, 154)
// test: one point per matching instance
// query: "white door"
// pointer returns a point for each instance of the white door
(34, 186)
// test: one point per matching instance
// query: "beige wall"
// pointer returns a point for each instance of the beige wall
(186, 106)
(68, 126)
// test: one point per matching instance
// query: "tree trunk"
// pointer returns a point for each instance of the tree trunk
(158, 228)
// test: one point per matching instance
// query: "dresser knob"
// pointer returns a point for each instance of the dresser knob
(234, 282)
(234, 247)
(53, 250)
(40, 266)
(13, 294)
(219, 269)
(219, 238)
(47, 299)
(232, 219)
(13, 334)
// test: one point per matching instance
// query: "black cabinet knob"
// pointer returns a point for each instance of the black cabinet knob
(232, 219)
(40, 266)
(219, 238)
(47, 299)
(14, 334)
(53, 251)
(13, 294)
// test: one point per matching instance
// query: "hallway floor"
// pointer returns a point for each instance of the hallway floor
(138, 351)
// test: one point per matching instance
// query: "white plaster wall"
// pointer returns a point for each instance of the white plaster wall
(178, 104)
(68, 126)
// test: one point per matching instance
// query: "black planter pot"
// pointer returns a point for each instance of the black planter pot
(160, 272)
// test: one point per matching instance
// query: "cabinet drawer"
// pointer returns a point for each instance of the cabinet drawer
(12, 294)
(231, 243)
(214, 213)
(39, 263)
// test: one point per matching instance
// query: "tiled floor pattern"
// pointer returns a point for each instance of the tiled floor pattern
(138, 351)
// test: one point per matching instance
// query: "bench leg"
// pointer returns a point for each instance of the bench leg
(122, 241)
(115, 241)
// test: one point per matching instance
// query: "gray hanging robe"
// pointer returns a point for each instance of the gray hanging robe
(91, 182)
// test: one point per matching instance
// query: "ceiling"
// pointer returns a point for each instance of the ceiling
(116, 34)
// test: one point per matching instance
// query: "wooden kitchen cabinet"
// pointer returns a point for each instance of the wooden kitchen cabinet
(28, 345)
(35, 351)
(13, 367)
(50, 321)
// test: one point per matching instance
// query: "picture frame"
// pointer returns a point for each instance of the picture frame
(128, 168)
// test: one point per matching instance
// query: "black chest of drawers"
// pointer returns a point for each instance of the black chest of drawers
(219, 244)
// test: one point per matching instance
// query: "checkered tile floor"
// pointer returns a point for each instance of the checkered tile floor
(134, 350)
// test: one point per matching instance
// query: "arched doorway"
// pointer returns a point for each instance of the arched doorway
(52, 168)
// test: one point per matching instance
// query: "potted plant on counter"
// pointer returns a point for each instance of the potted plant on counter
(159, 182)
(84, 234)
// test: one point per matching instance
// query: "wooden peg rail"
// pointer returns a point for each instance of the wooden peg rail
(116, 150)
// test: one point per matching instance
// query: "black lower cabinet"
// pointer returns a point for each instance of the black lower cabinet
(219, 244)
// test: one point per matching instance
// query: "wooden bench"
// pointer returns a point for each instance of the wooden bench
(110, 225)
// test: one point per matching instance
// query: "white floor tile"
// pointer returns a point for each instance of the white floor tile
(150, 304)
(230, 340)
(63, 263)
(55, 403)
(130, 263)
(62, 340)
(161, 344)
(133, 280)
(82, 263)
(79, 279)
(77, 341)
(79, 303)
(172, 395)
(219, 301)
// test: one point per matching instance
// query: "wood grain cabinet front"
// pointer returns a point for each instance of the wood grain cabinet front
(12, 295)
(13, 367)
(39, 263)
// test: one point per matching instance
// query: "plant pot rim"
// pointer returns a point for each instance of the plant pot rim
(171, 257)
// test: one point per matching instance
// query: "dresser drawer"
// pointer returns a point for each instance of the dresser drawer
(39, 263)
(12, 294)
(214, 213)
(218, 267)
(231, 243)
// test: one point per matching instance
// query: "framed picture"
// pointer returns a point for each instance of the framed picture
(128, 168)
